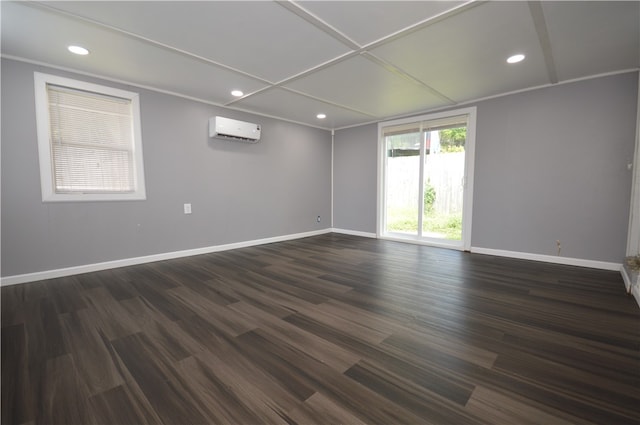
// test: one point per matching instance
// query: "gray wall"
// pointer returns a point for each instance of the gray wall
(239, 192)
(354, 178)
(550, 164)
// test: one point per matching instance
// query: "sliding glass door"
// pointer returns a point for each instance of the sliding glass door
(425, 183)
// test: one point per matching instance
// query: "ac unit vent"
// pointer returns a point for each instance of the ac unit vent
(226, 128)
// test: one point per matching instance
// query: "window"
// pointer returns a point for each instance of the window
(89, 141)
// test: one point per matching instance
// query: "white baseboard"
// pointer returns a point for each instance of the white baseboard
(603, 265)
(626, 278)
(635, 291)
(632, 287)
(69, 271)
(354, 233)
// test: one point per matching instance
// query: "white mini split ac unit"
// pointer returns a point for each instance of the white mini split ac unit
(226, 128)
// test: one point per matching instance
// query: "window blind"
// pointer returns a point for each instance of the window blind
(92, 144)
(396, 130)
(445, 123)
(428, 125)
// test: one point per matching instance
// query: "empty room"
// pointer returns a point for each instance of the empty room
(320, 212)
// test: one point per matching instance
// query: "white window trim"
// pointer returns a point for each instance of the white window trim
(471, 113)
(47, 182)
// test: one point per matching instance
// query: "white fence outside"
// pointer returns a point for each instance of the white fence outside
(445, 172)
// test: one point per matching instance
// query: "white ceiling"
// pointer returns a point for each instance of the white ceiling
(356, 61)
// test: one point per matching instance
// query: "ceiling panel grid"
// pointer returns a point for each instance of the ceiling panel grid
(355, 61)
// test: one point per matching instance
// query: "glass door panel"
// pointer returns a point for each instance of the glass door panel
(443, 175)
(402, 181)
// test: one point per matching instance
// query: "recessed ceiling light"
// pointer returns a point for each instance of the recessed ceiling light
(78, 50)
(321, 116)
(237, 93)
(515, 58)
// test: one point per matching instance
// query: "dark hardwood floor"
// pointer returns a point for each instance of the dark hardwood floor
(324, 330)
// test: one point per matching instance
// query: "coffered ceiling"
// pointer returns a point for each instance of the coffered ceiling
(355, 61)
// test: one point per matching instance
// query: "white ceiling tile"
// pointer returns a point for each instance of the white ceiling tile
(280, 102)
(367, 21)
(36, 34)
(464, 56)
(257, 37)
(255, 43)
(365, 86)
(590, 38)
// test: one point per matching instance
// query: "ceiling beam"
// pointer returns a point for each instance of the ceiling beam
(364, 51)
(303, 13)
(535, 8)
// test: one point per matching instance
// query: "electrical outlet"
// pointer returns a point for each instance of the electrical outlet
(187, 208)
(318, 219)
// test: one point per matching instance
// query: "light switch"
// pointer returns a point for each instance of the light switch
(187, 208)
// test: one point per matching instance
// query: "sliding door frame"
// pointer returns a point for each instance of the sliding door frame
(467, 209)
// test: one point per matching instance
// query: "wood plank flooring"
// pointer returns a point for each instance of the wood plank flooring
(323, 330)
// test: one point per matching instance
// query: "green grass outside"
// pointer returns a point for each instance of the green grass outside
(447, 226)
